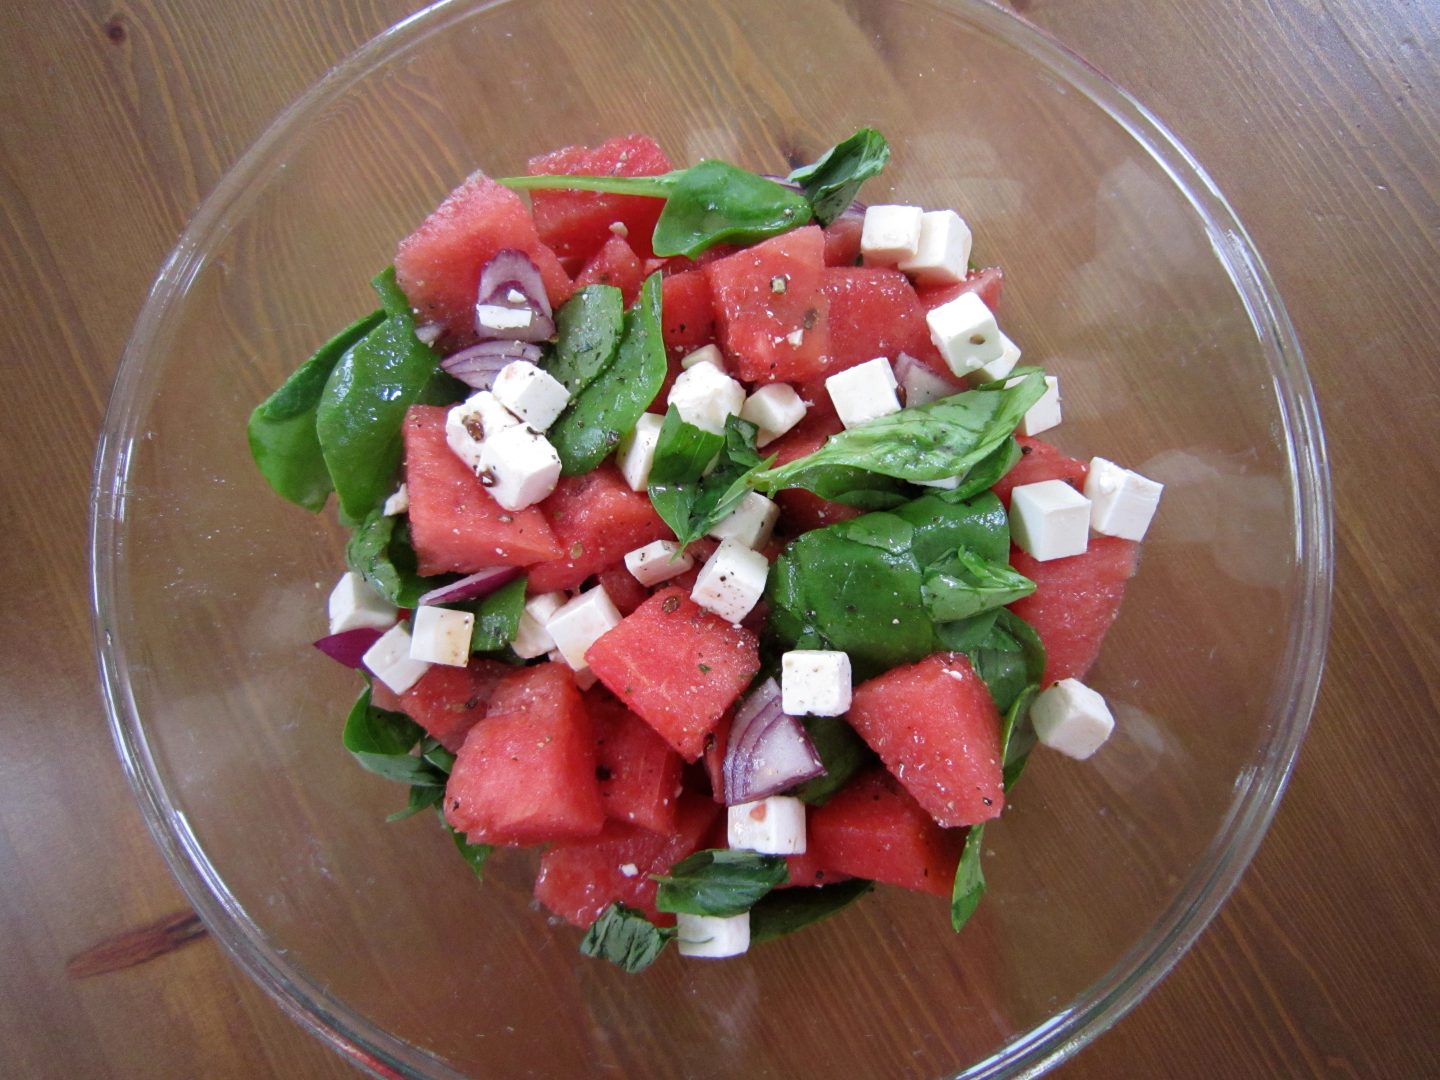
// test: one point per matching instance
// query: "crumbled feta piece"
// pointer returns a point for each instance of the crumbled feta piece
(398, 503)
(750, 523)
(731, 581)
(704, 396)
(1071, 718)
(500, 319)
(707, 354)
(922, 386)
(943, 254)
(580, 623)
(998, 369)
(1122, 502)
(531, 638)
(890, 234)
(964, 331)
(772, 826)
(389, 660)
(1049, 520)
(441, 635)
(864, 392)
(815, 682)
(519, 467)
(531, 394)
(657, 561)
(355, 605)
(636, 452)
(774, 409)
(468, 424)
(1045, 413)
(712, 937)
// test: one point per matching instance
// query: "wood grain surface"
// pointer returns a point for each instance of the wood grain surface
(1319, 119)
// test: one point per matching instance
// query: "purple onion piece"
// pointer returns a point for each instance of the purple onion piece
(473, 587)
(349, 646)
(510, 269)
(768, 750)
(478, 365)
(904, 365)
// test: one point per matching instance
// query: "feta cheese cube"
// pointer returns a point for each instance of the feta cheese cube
(389, 660)
(750, 523)
(468, 424)
(921, 385)
(996, 370)
(774, 409)
(531, 394)
(704, 396)
(580, 623)
(890, 234)
(964, 331)
(815, 682)
(584, 679)
(397, 503)
(707, 354)
(1050, 520)
(731, 581)
(864, 392)
(355, 605)
(518, 467)
(1045, 413)
(1071, 718)
(712, 937)
(657, 561)
(943, 254)
(441, 635)
(636, 452)
(500, 319)
(1122, 501)
(531, 638)
(773, 826)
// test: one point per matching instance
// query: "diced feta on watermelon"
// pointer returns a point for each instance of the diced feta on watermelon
(595, 519)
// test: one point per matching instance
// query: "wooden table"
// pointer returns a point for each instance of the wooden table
(1320, 119)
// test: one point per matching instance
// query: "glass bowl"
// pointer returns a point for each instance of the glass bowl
(1127, 274)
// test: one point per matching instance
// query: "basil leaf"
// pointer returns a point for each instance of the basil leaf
(379, 551)
(281, 430)
(1010, 658)
(381, 741)
(497, 617)
(626, 938)
(966, 634)
(588, 329)
(474, 854)
(965, 584)
(1015, 373)
(787, 910)
(969, 880)
(719, 881)
(987, 472)
(437, 755)
(842, 752)
(422, 797)
(688, 499)
(1017, 736)
(617, 396)
(833, 180)
(392, 297)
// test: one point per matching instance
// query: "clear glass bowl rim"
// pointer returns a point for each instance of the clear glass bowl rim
(1257, 790)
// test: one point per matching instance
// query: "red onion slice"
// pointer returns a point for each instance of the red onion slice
(478, 365)
(768, 751)
(349, 646)
(510, 282)
(470, 588)
(904, 365)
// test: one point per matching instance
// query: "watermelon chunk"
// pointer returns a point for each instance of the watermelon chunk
(677, 666)
(988, 282)
(454, 523)
(1039, 461)
(875, 312)
(936, 728)
(639, 774)
(842, 241)
(624, 591)
(595, 519)
(807, 869)
(872, 828)
(1075, 601)
(577, 223)
(614, 264)
(526, 775)
(448, 701)
(438, 265)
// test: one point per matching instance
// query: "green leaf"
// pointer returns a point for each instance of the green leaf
(474, 854)
(1010, 658)
(626, 938)
(690, 500)
(392, 298)
(842, 752)
(497, 617)
(422, 797)
(437, 755)
(833, 180)
(381, 741)
(379, 551)
(969, 880)
(281, 430)
(1017, 736)
(719, 881)
(965, 584)
(595, 419)
(588, 329)
(788, 910)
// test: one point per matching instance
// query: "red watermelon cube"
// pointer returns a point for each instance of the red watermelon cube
(614, 264)
(1040, 461)
(875, 312)
(595, 519)
(577, 223)
(842, 240)
(808, 870)
(624, 591)
(639, 774)
(988, 282)
(448, 701)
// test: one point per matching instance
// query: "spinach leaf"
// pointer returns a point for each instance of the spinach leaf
(1010, 658)
(381, 741)
(474, 854)
(688, 499)
(618, 394)
(719, 881)
(842, 752)
(787, 910)
(379, 551)
(588, 328)
(281, 430)
(965, 584)
(422, 797)
(1017, 736)
(969, 880)
(965, 634)
(436, 754)
(626, 938)
(497, 617)
(833, 180)
(392, 297)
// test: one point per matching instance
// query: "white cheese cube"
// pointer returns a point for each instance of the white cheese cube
(389, 660)
(1045, 413)
(864, 392)
(636, 452)
(943, 254)
(1049, 520)
(1122, 502)
(468, 424)
(774, 409)
(922, 386)
(397, 503)
(1071, 718)
(355, 605)
(750, 523)
(657, 561)
(518, 467)
(731, 581)
(584, 679)
(815, 682)
(441, 635)
(996, 370)
(531, 638)
(707, 354)
(704, 396)
(712, 937)
(500, 319)
(531, 394)
(580, 623)
(773, 826)
(964, 331)
(890, 234)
